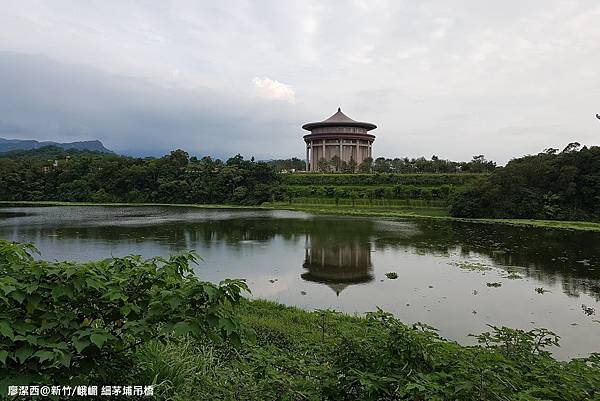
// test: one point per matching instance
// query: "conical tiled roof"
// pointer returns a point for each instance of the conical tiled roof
(341, 119)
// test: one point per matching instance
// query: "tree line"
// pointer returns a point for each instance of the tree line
(560, 185)
(551, 185)
(404, 165)
(174, 178)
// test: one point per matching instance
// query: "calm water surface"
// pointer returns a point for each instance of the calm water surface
(337, 262)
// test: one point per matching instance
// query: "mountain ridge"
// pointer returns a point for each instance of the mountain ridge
(7, 145)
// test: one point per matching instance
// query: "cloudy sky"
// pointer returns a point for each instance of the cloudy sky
(453, 78)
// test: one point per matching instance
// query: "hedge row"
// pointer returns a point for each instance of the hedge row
(378, 179)
(442, 192)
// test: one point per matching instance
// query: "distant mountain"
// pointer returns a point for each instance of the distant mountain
(7, 145)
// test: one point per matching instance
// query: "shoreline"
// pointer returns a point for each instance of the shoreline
(401, 213)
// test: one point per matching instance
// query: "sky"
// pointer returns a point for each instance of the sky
(452, 78)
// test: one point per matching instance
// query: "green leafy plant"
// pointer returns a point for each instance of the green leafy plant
(393, 361)
(515, 342)
(62, 319)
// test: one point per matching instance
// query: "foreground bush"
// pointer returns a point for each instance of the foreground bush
(128, 320)
(325, 355)
(400, 362)
(60, 320)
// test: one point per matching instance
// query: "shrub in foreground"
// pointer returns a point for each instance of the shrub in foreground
(325, 355)
(61, 320)
(128, 320)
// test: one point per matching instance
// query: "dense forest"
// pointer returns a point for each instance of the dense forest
(54, 174)
(550, 185)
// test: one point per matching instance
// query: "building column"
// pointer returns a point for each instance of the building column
(307, 159)
(340, 155)
(323, 143)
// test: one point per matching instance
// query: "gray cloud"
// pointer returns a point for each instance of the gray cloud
(50, 100)
(450, 78)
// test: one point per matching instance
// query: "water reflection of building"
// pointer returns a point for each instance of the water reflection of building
(336, 264)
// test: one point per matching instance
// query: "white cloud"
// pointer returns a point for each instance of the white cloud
(273, 90)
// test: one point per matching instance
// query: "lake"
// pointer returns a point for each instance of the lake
(458, 277)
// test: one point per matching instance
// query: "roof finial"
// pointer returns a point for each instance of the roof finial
(339, 109)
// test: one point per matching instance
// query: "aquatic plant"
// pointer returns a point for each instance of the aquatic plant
(471, 265)
(588, 310)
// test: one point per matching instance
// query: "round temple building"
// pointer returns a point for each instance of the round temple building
(339, 136)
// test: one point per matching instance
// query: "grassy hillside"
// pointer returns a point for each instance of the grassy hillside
(424, 179)
(429, 189)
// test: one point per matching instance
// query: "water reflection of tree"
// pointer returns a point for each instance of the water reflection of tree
(543, 254)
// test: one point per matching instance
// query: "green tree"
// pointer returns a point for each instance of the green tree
(366, 165)
(322, 165)
(335, 163)
(351, 166)
(548, 185)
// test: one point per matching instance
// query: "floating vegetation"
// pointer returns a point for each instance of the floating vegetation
(494, 284)
(302, 292)
(540, 290)
(391, 275)
(513, 276)
(588, 310)
(472, 266)
(272, 280)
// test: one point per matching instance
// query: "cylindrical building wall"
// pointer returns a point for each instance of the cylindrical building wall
(338, 136)
(346, 149)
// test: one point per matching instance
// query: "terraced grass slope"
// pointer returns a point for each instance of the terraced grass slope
(428, 189)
